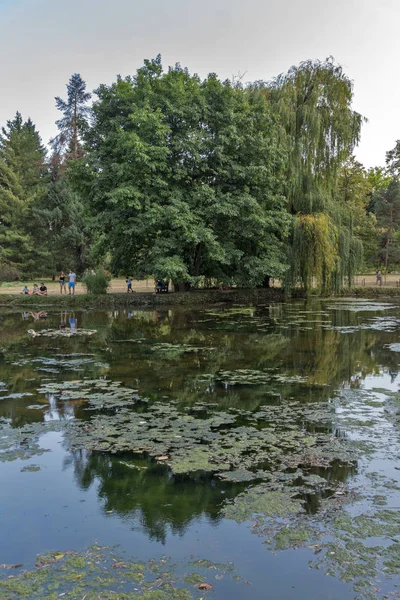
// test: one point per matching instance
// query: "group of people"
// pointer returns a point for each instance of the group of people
(71, 282)
(42, 290)
(37, 291)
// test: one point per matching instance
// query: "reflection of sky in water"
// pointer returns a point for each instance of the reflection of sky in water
(58, 410)
(384, 380)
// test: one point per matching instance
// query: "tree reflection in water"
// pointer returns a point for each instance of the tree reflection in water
(147, 493)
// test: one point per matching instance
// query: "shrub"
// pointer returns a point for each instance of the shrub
(96, 282)
(9, 272)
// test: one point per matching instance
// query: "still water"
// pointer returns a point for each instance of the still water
(317, 375)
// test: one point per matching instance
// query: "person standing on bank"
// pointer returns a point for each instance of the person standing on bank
(62, 283)
(71, 283)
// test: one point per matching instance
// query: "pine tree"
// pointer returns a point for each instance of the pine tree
(22, 150)
(59, 214)
(23, 181)
(15, 243)
(74, 120)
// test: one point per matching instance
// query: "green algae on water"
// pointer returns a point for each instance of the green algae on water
(100, 573)
(260, 500)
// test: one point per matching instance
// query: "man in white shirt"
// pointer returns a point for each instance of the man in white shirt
(71, 283)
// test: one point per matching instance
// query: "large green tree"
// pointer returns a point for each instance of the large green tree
(185, 178)
(319, 132)
(23, 183)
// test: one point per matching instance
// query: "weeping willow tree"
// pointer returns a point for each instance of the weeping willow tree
(316, 246)
(319, 130)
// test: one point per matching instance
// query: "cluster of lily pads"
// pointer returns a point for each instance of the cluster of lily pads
(252, 377)
(248, 445)
(61, 362)
(100, 573)
(60, 333)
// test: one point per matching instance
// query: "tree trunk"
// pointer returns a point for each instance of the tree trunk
(267, 282)
(197, 259)
(389, 239)
(75, 132)
(181, 286)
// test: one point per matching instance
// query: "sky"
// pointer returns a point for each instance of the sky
(42, 42)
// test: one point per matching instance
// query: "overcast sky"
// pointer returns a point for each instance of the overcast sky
(42, 42)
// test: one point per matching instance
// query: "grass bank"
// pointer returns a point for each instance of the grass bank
(193, 298)
(372, 292)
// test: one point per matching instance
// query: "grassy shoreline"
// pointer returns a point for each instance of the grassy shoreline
(193, 298)
(242, 296)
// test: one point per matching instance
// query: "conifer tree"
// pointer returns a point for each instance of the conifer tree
(22, 150)
(74, 121)
(22, 186)
(15, 243)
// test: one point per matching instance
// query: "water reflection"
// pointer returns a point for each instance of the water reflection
(292, 339)
(297, 349)
(58, 411)
(146, 492)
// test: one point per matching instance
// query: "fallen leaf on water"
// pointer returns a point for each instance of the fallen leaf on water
(119, 565)
(205, 586)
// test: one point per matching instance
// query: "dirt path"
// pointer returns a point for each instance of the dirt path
(118, 286)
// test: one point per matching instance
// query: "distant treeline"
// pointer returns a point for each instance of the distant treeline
(200, 182)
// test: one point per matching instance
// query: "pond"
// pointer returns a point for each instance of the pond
(241, 452)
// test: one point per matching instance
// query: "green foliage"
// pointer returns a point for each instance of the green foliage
(313, 101)
(315, 244)
(96, 282)
(193, 181)
(22, 184)
(387, 210)
(9, 272)
(60, 221)
(319, 132)
(22, 149)
(184, 178)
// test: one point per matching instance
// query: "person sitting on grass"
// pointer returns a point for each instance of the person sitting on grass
(25, 290)
(39, 291)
